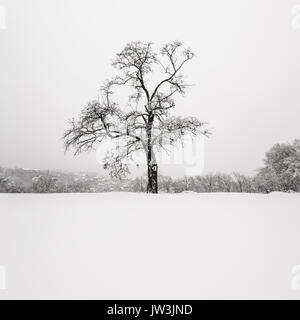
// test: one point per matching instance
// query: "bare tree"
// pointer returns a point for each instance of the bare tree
(144, 122)
(243, 183)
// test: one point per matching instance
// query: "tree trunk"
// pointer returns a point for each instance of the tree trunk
(152, 171)
(152, 178)
(151, 163)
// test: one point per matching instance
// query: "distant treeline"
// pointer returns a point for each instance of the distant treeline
(281, 172)
(42, 181)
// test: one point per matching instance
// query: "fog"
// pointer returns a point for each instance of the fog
(54, 55)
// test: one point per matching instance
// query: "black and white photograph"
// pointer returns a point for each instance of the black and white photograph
(150, 151)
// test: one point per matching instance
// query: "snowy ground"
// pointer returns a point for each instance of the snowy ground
(135, 246)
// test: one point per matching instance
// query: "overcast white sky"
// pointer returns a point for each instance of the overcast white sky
(54, 54)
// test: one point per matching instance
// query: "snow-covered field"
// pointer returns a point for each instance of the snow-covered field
(136, 246)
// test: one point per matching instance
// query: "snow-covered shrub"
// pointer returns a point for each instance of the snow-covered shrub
(266, 181)
(138, 185)
(282, 168)
(165, 184)
(242, 183)
(4, 182)
(45, 184)
(10, 185)
(79, 186)
(223, 183)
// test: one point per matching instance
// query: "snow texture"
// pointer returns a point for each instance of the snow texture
(138, 246)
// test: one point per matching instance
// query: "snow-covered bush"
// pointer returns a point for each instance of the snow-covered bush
(223, 183)
(242, 183)
(266, 181)
(282, 168)
(4, 182)
(138, 185)
(45, 184)
(79, 186)
(10, 185)
(165, 184)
